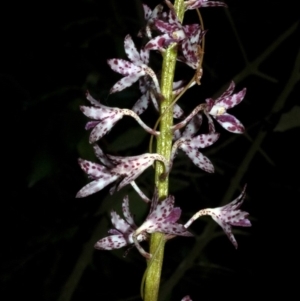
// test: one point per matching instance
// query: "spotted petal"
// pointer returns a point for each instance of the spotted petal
(230, 123)
(124, 67)
(111, 242)
(96, 185)
(131, 51)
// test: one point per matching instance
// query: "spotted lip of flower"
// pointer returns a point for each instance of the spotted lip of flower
(121, 234)
(230, 215)
(217, 109)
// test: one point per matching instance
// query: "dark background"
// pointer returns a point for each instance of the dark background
(51, 53)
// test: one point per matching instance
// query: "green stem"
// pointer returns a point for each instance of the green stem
(164, 146)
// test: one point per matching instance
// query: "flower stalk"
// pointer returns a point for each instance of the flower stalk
(164, 147)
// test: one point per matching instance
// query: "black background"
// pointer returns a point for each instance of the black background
(51, 53)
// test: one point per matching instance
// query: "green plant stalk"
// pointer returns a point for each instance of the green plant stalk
(164, 146)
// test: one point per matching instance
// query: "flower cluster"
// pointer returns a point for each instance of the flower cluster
(162, 217)
(162, 30)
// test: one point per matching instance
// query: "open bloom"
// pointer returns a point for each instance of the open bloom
(218, 110)
(162, 218)
(133, 70)
(226, 216)
(104, 118)
(123, 169)
(174, 32)
(121, 234)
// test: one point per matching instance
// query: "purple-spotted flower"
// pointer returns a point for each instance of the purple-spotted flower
(191, 50)
(104, 118)
(218, 110)
(192, 4)
(133, 70)
(226, 216)
(162, 218)
(173, 32)
(121, 234)
(122, 169)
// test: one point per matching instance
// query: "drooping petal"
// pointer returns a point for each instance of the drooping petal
(103, 127)
(93, 170)
(204, 140)
(111, 242)
(142, 104)
(126, 81)
(198, 158)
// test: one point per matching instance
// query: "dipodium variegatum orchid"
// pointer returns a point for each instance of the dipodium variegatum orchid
(165, 33)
